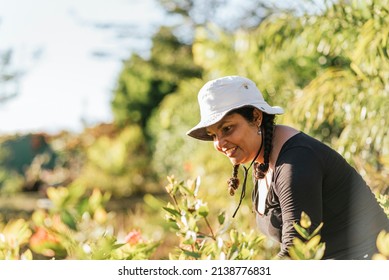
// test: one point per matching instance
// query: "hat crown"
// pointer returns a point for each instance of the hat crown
(227, 93)
(218, 97)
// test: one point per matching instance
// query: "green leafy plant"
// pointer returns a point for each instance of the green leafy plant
(73, 224)
(13, 237)
(188, 216)
(310, 248)
(77, 226)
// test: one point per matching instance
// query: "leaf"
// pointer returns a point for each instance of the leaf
(302, 231)
(234, 235)
(17, 230)
(320, 251)
(383, 243)
(221, 218)
(68, 219)
(316, 231)
(191, 254)
(296, 254)
(313, 242)
(203, 211)
(197, 186)
(27, 255)
(172, 211)
(305, 221)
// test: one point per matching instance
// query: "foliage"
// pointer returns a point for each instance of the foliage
(117, 163)
(310, 247)
(143, 83)
(188, 215)
(20, 159)
(13, 237)
(81, 229)
(76, 225)
(8, 76)
(10, 182)
(383, 246)
(73, 223)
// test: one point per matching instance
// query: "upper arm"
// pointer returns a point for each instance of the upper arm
(298, 185)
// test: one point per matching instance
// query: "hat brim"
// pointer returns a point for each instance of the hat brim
(200, 130)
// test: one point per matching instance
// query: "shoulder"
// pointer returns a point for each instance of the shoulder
(282, 134)
(301, 153)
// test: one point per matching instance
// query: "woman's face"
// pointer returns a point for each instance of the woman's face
(236, 138)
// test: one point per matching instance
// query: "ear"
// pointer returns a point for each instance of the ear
(258, 115)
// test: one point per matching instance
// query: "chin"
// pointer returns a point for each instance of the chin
(235, 161)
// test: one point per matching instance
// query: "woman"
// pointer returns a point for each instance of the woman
(292, 171)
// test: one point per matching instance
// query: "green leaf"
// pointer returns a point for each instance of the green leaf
(191, 254)
(203, 211)
(296, 254)
(302, 231)
(313, 242)
(383, 243)
(305, 221)
(172, 211)
(221, 218)
(68, 219)
(320, 251)
(316, 231)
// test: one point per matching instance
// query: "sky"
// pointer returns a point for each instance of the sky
(65, 86)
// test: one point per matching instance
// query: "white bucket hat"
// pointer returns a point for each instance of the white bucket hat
(217, 97)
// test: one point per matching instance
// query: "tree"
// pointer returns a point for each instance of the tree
(143, 83)
(8, 77)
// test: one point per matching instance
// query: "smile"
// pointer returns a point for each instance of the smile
(230, 152)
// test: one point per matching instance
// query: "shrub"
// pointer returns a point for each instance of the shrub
(75, 225)
(188, 216)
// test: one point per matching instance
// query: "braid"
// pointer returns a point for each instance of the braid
(233, 182)
(268, 127)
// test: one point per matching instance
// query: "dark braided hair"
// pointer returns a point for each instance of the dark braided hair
(268, 129)
(233, 182)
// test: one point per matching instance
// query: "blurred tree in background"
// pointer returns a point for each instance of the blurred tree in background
(8, 77)
(143, 83)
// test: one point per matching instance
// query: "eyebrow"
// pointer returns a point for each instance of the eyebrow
(222, 122)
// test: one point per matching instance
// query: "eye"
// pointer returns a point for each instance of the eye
(226, 129)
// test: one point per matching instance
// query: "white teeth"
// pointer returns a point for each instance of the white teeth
(229, 151)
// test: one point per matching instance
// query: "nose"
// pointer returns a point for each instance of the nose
(218, 143)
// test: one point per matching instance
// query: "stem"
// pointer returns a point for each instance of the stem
(175, 202)
(210, 228)
(206, 235)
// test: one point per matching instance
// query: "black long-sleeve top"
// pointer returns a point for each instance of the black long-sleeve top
(309, 176)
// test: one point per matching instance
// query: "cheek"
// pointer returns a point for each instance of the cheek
(216, 146)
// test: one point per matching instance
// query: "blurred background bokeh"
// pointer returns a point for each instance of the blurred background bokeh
(325, 62)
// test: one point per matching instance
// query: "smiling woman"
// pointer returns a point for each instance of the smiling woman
(293, 172)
